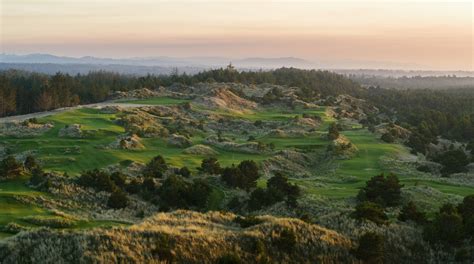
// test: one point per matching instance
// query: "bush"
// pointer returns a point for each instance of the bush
(119, 179)
(409, 212)
(466, 209)
(97, 179)
(37, 176)
(173, 192)
(244, 176)
(278, 189)
(333, 131)
(185, 172)
(133, 187)
(371, 248)
(156, 167)
(370, 211)
(388, 137)
(453, 161)
(198, 194)
(30, 163)
(211, 166)
(118, 200)
(259, 198)
(382, 190)
(446, 228)
(10, 168)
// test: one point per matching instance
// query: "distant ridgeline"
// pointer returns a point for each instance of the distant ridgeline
(430, 113)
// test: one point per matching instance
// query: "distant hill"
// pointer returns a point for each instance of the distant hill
(162, 61)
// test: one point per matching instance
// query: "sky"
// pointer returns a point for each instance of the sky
(392, 34)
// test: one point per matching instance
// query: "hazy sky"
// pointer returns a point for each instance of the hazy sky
(422, 34)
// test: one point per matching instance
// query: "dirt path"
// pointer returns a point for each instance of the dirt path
(60, 110)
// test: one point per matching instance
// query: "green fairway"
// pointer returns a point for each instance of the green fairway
(351, 174)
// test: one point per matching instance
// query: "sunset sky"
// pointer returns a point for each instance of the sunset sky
(405, 34)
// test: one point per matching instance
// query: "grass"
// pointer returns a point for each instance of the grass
(14, 211)
(73, 155)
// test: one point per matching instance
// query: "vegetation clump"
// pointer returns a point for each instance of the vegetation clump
(244, 176)
(278, 189)
(156, 167)
(371, 248)
(370, 211)
(382, 190)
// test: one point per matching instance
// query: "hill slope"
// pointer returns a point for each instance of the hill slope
(199, 238)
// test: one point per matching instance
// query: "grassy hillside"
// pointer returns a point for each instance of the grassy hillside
(333, 179)
(167, 237)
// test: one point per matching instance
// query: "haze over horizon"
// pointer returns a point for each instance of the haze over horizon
(384, 34)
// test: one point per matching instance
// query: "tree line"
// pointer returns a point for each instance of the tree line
(25, 92)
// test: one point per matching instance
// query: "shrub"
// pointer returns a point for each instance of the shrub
(185, 172)
(119, 179)
(333, 131)
(446, 228)
(278, 189)
(259, 199)
(156, 167)
(173, 192)
(453, 161)
(370, 211)
(30, 163)
(97, 179)
(409, 212)
(382, 190)
(244, 176)
(133, 187)
(211, 166)
(198, 194)
(371, 248)
(10, 168)
(37, 176)
(118, 200)
(388, 137)
(466, 209)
